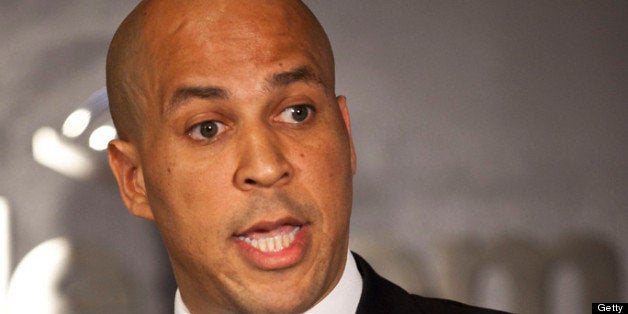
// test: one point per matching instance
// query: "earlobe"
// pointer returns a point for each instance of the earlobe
(342, 104)
(124, 163)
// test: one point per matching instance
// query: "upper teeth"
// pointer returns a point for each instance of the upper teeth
(272, 244)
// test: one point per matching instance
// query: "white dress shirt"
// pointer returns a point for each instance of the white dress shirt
(344, 298)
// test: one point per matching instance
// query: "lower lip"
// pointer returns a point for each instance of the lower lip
(285, 258)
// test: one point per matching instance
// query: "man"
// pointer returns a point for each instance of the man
(233, 141)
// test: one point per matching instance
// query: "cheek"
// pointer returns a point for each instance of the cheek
(335, 159)
(187, 209)
(186, 193)
(327, 173)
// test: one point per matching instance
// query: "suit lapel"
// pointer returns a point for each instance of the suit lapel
(380, 295)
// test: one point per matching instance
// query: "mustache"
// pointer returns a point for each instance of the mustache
(279, 204)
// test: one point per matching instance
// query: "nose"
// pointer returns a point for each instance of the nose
(261, 160)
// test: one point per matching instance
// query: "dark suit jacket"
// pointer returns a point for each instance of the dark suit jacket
(382, 296)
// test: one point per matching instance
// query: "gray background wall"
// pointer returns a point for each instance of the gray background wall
(491, 141)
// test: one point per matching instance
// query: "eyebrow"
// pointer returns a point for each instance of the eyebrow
(300, 74)
(204, 92)
(184, 93)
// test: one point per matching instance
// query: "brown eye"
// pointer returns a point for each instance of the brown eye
(296, 114)
(206, 130)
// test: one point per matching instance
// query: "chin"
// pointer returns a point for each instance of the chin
(271, 305)
(280, 300)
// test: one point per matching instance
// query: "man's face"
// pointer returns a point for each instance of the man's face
(247, 164)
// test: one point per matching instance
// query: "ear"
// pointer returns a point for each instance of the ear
(125, 165)
(344, 111)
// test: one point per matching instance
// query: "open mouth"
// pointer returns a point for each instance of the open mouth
(272, 241)
(271, 245)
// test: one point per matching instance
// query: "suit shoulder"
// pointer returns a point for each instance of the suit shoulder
(435, 305)
(382, 296)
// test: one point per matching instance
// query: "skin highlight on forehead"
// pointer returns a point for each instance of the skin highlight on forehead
(155, 30)
(184, 93)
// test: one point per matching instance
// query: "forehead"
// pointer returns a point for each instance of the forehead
(203, 22)
(232, 38)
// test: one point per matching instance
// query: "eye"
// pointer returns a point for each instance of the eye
(296, 114)
(206, 130)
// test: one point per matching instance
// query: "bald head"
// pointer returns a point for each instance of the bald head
(157, 34)
(230, 127)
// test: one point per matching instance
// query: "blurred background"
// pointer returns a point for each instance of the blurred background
(491, 140)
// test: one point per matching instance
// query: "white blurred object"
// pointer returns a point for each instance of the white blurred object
(66, 158)
(66, 151)
(99, 139)
(34, 285)
(76, 123)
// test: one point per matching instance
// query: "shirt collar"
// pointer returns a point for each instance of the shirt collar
(179, 306)
(344, 298)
